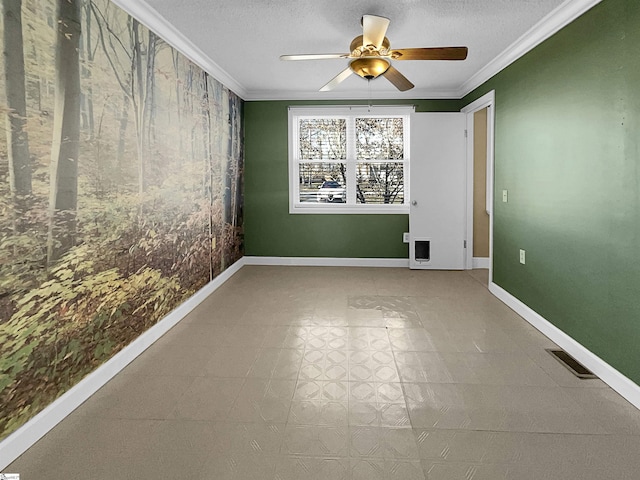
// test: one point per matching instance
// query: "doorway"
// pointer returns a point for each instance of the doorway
(480, 117)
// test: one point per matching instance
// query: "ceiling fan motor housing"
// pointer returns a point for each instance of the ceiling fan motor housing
(357, 44)
(370, 67)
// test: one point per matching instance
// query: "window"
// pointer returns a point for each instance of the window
(349, 159)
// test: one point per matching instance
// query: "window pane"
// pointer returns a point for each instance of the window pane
(323, 139)
(323, 182)
(380, 183)
(379, 139)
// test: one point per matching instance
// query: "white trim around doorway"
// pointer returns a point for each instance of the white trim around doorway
(486, 101)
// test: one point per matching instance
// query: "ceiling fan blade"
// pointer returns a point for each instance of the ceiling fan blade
(374, 29)
(342, 76)
(399, 80)
(436, 53)
(314, 56)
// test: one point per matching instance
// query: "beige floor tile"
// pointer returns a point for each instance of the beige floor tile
(316, 441)
(231, 362)
(137, 397)
(383, 442)
(283, 363)
(275, 336)
(478, 368)
(261, 411)
(208, 399)
(367, 468)
(84, 447)
(291, 467)
(331, 373)
(375, 414)
(249, 438)
(502, 408)
(389, 392)
(196, 334)
(481, 275)
(614, 413)
(325, 413)
(403, 470)
(448, 471)
(238, 466)
(195, 437)
(172, 359)
(366, 392)
(246, 336)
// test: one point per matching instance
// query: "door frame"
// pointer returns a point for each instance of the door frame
(486, 101)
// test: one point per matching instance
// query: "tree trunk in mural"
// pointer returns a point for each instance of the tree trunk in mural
(225, 152)
(66, 132)
(208, 177)
(149, 90)
(175, 57)
(87, 55)
(142, 95)
(138, 102)
(16, 116)
(236, 170)
(123, 122)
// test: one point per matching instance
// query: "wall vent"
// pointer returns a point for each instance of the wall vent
(571, 364)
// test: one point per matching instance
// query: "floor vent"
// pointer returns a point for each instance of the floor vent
(571, 364)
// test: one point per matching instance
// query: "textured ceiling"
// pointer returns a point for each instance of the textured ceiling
(246, 37)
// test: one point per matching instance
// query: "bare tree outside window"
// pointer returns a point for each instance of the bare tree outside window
(322, 141)
(382, 181)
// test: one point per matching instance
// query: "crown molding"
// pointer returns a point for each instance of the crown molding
(155, 22)
(422, 94)
(561, 16)
(557, 19)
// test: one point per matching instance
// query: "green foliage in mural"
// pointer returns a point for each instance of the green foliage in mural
(119, 207)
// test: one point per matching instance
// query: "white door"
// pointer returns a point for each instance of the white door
(438, 191)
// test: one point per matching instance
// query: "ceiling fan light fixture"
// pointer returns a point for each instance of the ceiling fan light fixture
(370, 67)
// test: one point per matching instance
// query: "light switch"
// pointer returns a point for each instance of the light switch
(504, 196)
(522, 258)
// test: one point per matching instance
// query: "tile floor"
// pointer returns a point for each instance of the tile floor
(346, 373)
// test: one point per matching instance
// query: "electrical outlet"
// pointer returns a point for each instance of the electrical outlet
(505, 196)
(405, 237)
(522, 256)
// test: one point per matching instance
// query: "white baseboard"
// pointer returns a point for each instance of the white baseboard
(612, 377)
(481, 262)
(19, 441)
(328, 261)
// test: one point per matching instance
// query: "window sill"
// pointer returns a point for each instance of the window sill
(337, 209)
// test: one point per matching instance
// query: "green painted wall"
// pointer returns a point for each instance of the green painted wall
(567, 150)
(269, 228)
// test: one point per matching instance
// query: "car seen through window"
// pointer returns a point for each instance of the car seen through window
(331, 191)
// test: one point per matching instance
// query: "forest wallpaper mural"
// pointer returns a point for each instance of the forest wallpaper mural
(121, 174)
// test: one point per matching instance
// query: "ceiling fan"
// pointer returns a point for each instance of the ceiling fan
(371, 55)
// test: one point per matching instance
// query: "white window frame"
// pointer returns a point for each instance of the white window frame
(350, 112)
